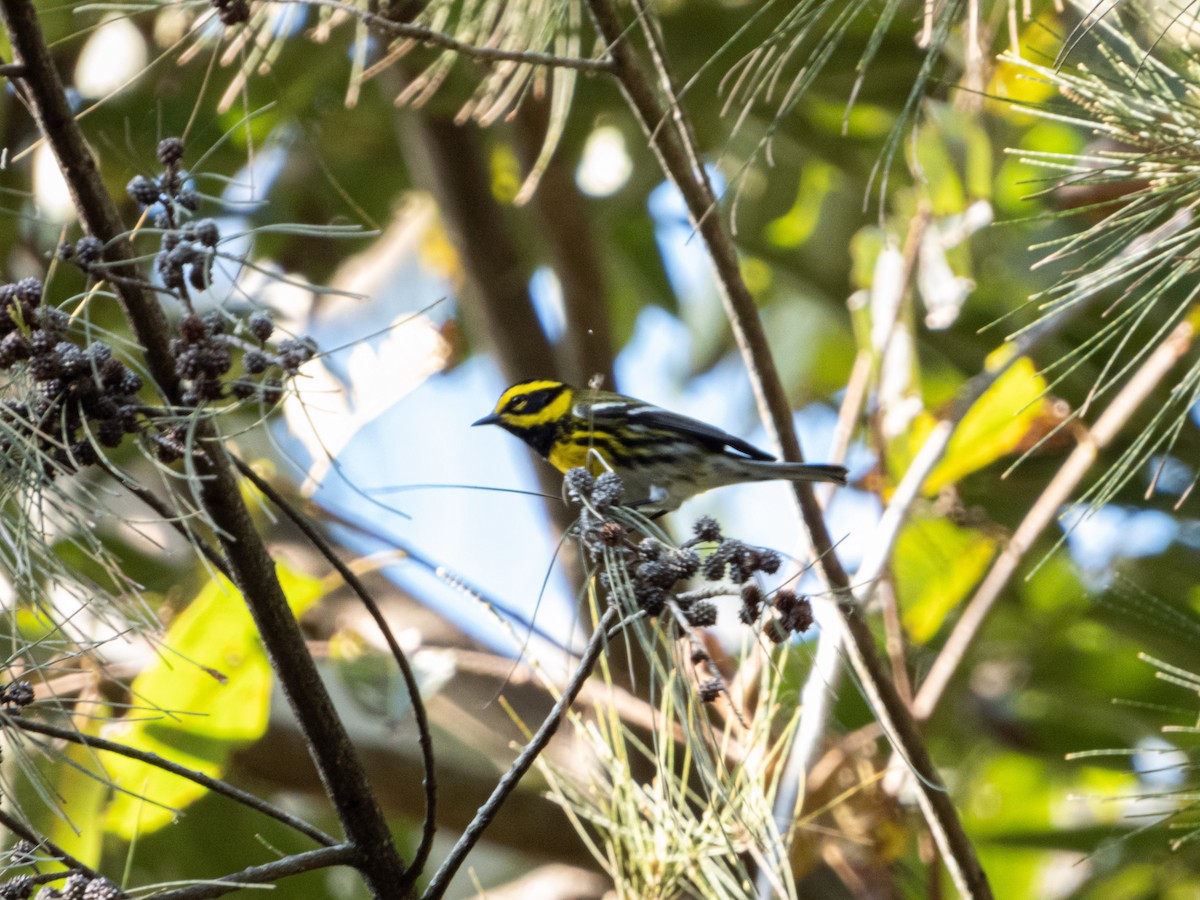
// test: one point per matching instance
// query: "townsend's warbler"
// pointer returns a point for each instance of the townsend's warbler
(662, 457)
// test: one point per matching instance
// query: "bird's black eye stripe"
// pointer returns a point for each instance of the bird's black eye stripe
(534, 401)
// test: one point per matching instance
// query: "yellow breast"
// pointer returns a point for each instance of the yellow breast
(567, 454)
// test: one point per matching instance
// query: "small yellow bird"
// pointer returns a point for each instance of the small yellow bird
(663, 458)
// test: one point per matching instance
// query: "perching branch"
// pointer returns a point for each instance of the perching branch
(510, 780)
(672, 148)
(253, 569)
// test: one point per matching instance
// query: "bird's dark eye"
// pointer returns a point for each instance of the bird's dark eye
(517, 405)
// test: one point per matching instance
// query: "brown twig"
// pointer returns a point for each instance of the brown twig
(852, 405)
(893, 638)
(17, 827)
(267, 873)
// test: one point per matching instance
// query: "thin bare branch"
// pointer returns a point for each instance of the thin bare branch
(268, 873)
(216, 785)
(510, 780)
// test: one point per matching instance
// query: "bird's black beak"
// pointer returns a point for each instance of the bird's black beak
(492, 419)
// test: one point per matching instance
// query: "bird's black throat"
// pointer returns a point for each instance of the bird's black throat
(540, 437)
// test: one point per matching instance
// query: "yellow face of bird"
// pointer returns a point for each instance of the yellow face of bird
(541, 413)
(530, 405)
(536, 412)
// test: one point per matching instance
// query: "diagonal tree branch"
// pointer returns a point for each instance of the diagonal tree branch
(253, 569)
(216, 785)
(17, 827)
(674, 154)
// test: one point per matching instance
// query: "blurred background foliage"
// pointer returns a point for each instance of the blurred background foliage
(452, 289)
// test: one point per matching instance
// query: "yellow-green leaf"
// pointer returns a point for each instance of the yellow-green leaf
(996, 426)
(936, 564)
(213, 680)
(63, 792)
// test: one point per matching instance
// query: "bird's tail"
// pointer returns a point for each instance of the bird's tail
(769, 471)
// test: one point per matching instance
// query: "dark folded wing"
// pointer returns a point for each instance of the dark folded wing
(710, 436)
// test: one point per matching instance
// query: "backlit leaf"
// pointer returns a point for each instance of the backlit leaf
(212, 681)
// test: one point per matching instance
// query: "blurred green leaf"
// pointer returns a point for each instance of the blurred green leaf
(798, 224)
(942, 183)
